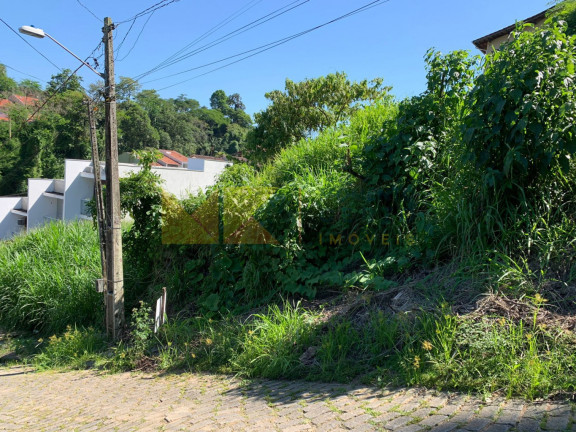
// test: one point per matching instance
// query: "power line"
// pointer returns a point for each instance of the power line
(263, 48)
(215, 28)
(12, 173)
(137, 39)
(23, 73)
(151, 9)
(125, 36)
(86, 7)
(29, 44)
(61, 86)
(272, 15)
(54, 93)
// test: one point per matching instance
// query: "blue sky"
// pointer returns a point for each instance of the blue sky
(387, 41)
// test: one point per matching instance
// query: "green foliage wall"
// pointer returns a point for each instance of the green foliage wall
(476, 165)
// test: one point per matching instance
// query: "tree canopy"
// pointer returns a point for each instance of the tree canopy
(145, 120)
(306, 107)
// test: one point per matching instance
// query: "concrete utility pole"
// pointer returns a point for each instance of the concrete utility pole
(98, 194)
(115, 274)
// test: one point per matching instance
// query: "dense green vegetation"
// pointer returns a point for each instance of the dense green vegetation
(389, 225)
(47, 278)
(60, 130)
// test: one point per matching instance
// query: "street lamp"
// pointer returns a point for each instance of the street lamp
(40, 34)
(114, 266)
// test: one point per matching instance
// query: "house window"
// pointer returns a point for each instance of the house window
(85, 207)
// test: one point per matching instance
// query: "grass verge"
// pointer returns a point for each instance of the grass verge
(353, 338)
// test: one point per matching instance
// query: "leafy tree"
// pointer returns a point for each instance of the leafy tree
(7, 84)
(307, 107)
(135, 129)
(235, 102)
(96, 90)
(231, 107)
(126, 88)
(72, 134)
(64, 81)
(30, 87)
(234, 138)
(185, 105)
(215, 119)
(219, 101)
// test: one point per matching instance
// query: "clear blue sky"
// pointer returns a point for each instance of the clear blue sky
(387, 41)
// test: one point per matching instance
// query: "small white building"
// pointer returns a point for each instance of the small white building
(66, 199)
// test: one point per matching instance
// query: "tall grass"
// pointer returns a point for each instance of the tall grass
(47, 278)
(328, 150)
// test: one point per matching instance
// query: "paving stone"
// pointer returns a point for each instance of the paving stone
(411, 428)
(477, 424)
(509, 416)
(559, 410)
(397, 423)
(446, 427)
(357, 421)
(536, 411)
(144, 403)
(529, 425)
(434, 420)
(497, 428)
(421, 412)
(448, 409)
(490, 411)
(437, 401)
(557, 423)
(366, 427)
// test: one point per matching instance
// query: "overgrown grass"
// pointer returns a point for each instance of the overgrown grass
(440, 350)
(47, 278)
(75, 348)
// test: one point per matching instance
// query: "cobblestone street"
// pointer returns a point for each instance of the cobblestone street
(87, 401)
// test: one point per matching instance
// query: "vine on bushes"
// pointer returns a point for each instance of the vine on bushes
(523, 110)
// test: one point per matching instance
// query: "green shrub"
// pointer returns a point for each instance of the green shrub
(274, 342)
(47, 278)
(74, 349)
(523, 109)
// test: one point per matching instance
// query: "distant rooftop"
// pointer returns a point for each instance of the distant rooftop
(484, 42)
(24, 100)
(174, 155)
(213, 158)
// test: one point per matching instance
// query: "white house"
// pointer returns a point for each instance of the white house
(66, 199)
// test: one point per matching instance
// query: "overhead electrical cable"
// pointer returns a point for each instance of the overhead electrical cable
(119, 47)
(149, 10)
(258, 50)
(274, 14)
(29, 44)
(91, 13)
(212, 30)
(63, 84)
(137, 38)
(23, 73)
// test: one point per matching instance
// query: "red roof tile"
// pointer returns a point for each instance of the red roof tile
(174, 155)
(5, 102)
(166, 161)
(25, 100)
